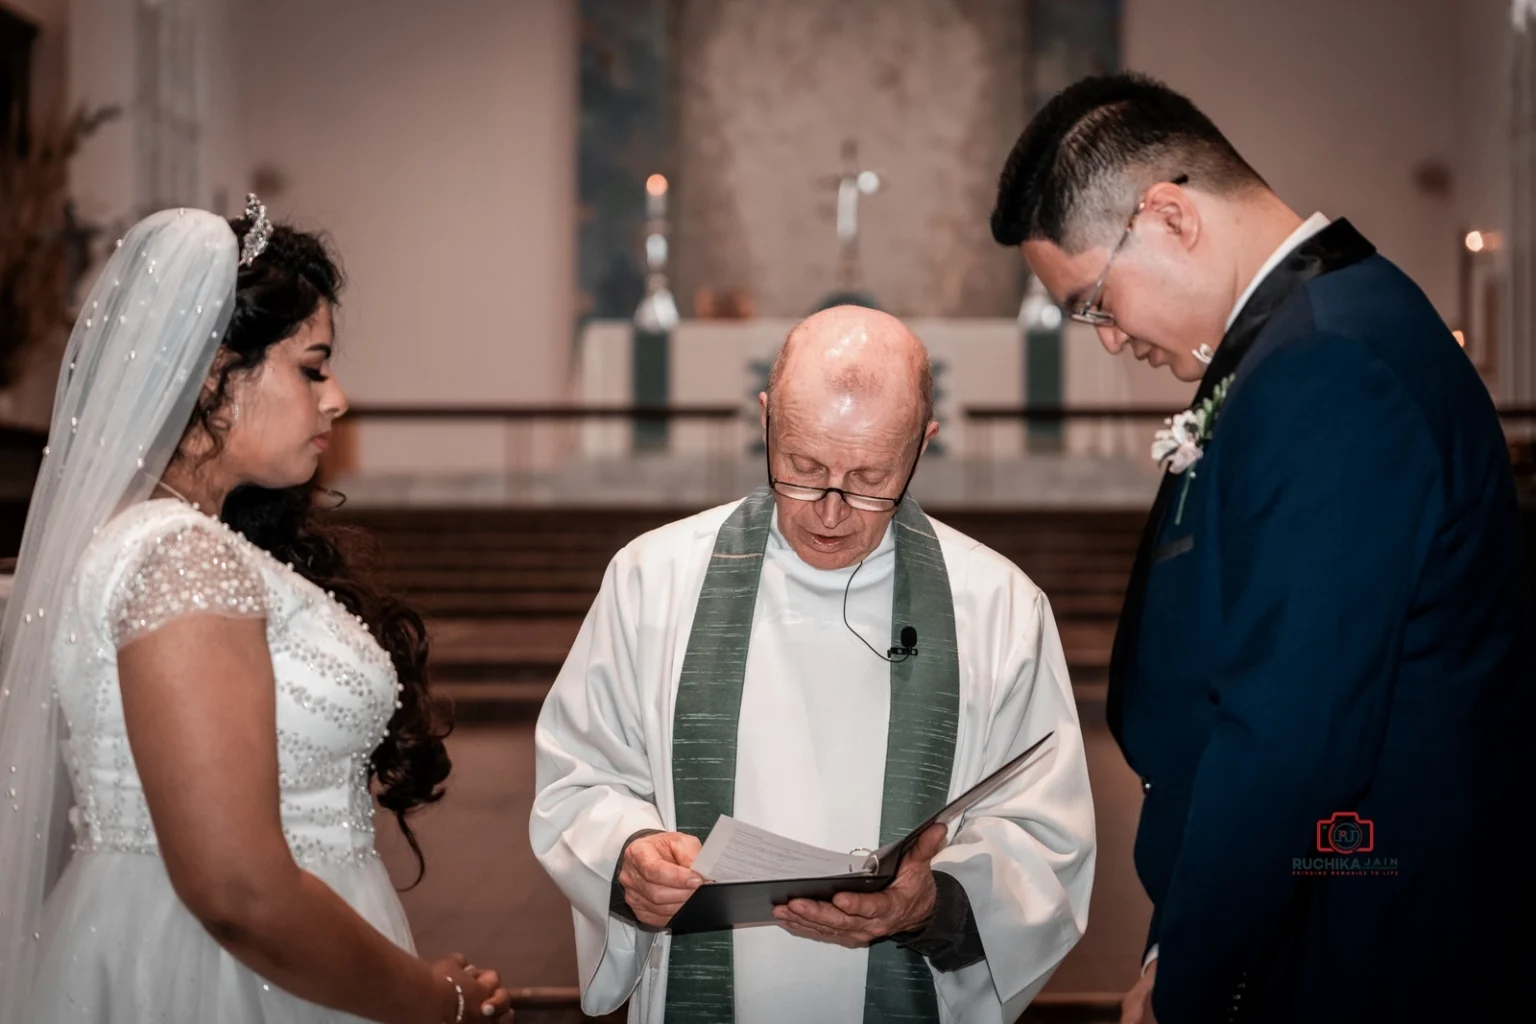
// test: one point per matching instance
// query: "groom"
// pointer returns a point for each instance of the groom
(1322, 674)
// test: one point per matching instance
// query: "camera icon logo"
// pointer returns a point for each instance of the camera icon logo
(1346, 832)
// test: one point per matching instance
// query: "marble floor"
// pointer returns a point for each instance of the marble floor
(485, 895)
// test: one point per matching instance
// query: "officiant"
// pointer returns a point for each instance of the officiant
(749, 661)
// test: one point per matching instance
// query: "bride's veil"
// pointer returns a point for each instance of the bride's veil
(139, 353)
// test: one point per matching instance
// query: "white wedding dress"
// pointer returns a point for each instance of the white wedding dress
(117, 945)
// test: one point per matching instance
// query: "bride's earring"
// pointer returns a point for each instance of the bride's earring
(1204, 354)
(234, 413)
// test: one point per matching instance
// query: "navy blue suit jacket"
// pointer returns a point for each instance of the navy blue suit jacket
(1334, 625)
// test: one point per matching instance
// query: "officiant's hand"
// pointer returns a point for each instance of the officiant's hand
(857, 919)
(656, 876)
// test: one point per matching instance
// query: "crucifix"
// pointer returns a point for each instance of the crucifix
(851, 183)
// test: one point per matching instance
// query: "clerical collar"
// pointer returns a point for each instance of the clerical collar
(1309, 227)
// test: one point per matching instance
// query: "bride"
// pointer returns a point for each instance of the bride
(186, 653)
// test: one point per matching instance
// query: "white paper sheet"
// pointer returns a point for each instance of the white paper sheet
(738, 852)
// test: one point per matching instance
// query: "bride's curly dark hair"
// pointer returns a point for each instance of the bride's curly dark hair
(275, 296)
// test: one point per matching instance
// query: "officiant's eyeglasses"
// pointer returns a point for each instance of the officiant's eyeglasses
(1088, 311)
(862, 502)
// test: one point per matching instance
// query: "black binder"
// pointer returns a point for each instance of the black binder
(715, 906)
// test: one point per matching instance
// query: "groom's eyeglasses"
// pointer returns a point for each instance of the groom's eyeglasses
(862, 502)
(1088, 311)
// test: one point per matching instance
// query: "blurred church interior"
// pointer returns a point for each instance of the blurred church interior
(575, 232)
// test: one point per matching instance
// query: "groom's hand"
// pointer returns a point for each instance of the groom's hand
(859, 918)
(657, 876)
(1136, 1007)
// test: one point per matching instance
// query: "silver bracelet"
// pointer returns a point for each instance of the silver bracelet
(460, 992)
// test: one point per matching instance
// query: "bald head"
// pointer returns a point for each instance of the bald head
(850, 400)
(851, 352)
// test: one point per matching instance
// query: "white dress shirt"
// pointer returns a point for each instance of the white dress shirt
(1309, 227)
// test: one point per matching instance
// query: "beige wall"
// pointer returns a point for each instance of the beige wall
(103, 62)
(436, 144)
(101, 72)
(1481, 90)
(222, 167)
(1482, 149)
(1333, 102)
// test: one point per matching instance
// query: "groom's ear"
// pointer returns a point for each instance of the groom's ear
(1173, 207)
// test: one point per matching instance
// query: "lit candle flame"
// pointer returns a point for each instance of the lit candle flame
(1475, 241)
(656, 185)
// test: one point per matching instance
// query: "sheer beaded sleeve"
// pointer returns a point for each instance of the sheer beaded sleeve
(194, 569)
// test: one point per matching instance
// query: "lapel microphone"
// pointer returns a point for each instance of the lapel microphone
(907, 648)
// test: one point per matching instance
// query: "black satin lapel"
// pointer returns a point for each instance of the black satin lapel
(1336, 246)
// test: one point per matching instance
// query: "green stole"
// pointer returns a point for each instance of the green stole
(920, 751)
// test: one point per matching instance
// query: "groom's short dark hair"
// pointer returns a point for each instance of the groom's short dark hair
(1075, 174)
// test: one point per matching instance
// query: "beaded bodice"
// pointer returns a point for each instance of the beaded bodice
(336, 688)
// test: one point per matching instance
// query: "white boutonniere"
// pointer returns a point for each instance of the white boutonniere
(1181, 444)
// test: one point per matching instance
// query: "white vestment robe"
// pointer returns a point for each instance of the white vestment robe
(811, 765)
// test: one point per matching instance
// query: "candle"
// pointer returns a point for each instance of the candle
(656, 196)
